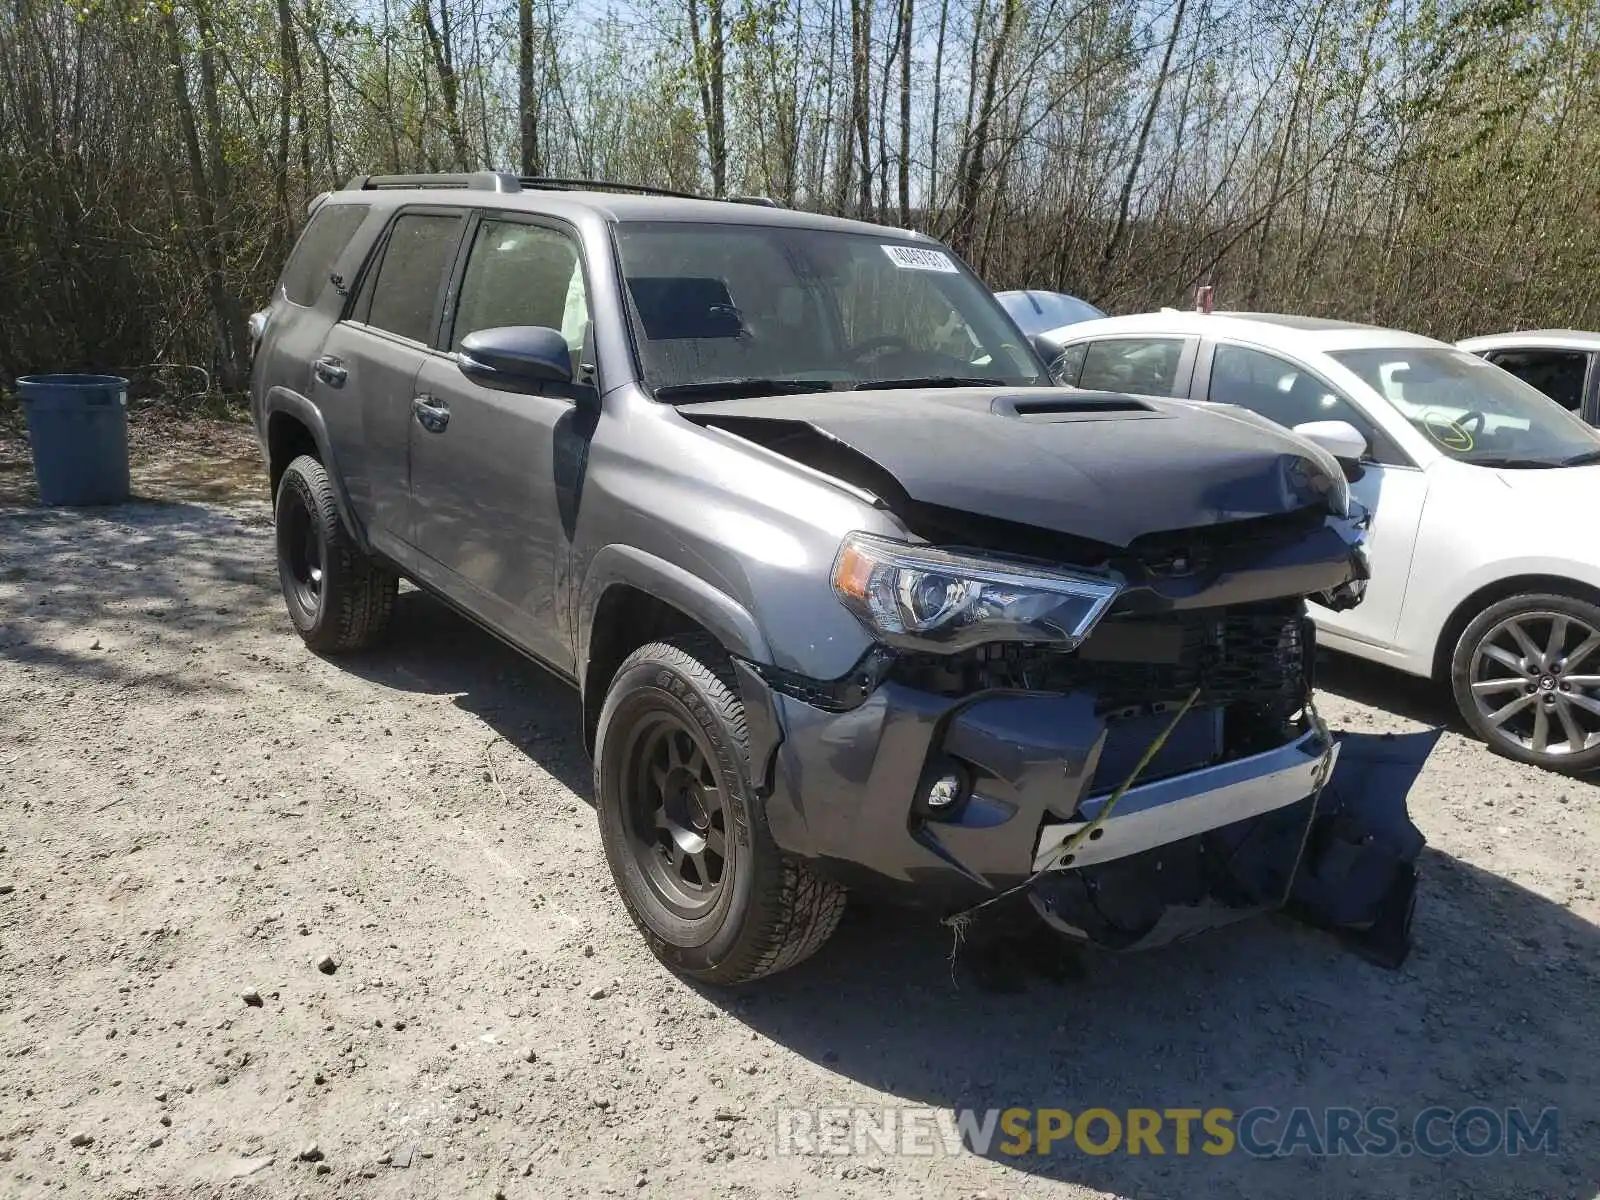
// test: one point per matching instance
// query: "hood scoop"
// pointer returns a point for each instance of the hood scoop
(1071, 406)
(1101, 468)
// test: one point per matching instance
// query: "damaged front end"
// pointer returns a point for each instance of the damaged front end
(1155, 769)
(1342, 858)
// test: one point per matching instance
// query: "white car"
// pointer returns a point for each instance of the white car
(1564, 364)
(1485, 555)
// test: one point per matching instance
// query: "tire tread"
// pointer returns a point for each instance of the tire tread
(797, 910)
(359, 593)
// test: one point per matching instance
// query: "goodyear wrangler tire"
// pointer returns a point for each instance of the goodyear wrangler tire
(338, 598)
(684, 834)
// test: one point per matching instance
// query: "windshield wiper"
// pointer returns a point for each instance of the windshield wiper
(740, 389)
(1513, 462)
(931, 381)
(1579, 460)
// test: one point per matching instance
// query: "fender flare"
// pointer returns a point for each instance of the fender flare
(728, 620)
(282, 400)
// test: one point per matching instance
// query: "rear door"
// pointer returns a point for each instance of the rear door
(369, 364)
(484, 463)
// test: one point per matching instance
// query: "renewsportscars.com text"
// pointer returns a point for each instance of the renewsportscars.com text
(1260, 1132)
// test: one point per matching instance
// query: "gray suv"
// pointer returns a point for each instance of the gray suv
(854, 597)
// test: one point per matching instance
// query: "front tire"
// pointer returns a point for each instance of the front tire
(684, 834)
(1525, 675)
(338, 598)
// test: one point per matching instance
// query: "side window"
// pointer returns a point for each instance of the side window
(1068, 367)
(1280, 391)
(405, 293)
(1559, 374)
(319, 247)
(1143, 366)
(520, 274)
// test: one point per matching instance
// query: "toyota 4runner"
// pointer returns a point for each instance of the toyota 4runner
(854, 597)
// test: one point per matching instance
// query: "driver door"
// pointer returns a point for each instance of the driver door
(1390, 488)
(484, 462)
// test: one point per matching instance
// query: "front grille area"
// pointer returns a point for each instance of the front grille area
(1253, 657)
(1180, 552)
(1251, 665)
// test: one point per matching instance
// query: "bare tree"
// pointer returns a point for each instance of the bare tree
(527, 90)
(440, 47)
(1428, 165)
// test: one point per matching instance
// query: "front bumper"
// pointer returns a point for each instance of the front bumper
(1188, 851)
(846, 788)
(1169, 810)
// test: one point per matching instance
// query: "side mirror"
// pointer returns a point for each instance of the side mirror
(1052, 351)
(516, 358)
(1339, 438)
(1048, 347)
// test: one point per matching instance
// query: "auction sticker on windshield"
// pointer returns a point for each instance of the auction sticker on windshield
(915, 258)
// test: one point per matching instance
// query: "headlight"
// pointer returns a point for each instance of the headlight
(927, 599)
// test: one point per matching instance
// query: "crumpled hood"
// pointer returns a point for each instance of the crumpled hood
(1094, 465)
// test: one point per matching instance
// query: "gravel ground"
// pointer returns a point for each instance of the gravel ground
(173, 456)
(194, 811)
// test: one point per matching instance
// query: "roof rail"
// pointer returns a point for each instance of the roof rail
(501, 181)
(606, 185)
(478, 181)
(553, 183)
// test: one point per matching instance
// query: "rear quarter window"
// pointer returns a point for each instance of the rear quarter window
(319, 247)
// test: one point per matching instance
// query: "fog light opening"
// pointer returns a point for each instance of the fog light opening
(946, 792)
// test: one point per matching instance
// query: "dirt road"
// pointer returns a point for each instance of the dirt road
(194, 811)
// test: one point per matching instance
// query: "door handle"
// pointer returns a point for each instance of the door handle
(432, 413)
(331, 370)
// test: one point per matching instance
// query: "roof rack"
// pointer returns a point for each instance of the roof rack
(504, 182)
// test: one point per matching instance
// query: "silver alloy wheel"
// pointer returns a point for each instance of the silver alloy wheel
(1528, 685)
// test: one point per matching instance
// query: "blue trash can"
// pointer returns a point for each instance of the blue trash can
(78, 425)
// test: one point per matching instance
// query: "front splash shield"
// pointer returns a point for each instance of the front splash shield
(1341, 859)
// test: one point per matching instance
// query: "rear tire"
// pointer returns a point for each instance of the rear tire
(684, 833)
(1525, 676)
(339, 599)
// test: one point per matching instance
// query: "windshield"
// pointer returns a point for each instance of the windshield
(716, 308)
(1471, 409)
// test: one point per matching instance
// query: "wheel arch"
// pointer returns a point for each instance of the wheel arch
(1492, 593)
(294, 427)
(631, 598)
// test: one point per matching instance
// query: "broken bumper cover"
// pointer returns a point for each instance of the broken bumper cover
(1189, 850)
(1169, 810)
